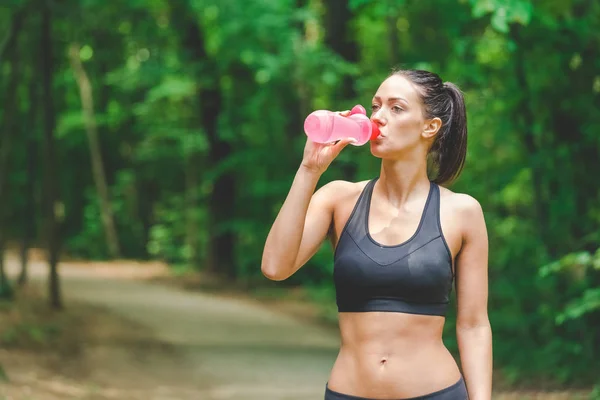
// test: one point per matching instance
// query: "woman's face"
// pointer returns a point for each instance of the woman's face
(398, 111)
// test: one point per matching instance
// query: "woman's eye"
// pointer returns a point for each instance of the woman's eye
(396, 109)
(374, 107)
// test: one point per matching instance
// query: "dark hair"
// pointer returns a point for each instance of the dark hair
(446, 101)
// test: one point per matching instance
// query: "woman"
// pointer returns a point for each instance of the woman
(400, 242)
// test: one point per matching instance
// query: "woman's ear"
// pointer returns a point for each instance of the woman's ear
(431, 127)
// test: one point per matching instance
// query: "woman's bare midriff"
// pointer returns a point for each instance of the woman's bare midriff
(387, 355)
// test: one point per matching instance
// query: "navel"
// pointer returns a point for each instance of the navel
(383, 361)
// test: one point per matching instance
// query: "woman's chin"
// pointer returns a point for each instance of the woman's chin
(377, 148)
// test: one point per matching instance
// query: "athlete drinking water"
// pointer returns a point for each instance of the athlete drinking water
(401, 242)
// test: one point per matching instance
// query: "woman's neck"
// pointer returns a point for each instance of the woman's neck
(401, 180)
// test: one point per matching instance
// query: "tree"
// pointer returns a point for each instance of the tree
(7, 130)
(220, 202)
(52, 211)
(87, 103)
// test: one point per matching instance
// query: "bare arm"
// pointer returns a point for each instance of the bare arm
(304, 219)
(299, 229)
(473, 328)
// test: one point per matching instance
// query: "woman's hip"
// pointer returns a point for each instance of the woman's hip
(456, 391)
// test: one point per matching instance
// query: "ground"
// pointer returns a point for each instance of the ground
(127, 332)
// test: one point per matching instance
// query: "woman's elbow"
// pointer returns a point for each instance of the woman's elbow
(470, 324)
(273, 272)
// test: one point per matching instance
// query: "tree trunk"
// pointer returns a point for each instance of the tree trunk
(221, 207)
(11, 35)
(220, 251)
(301, 89)
(221, 201)
(394, 49)
(51, 221)
(192, 203)
(338, 38)
(87, 103)
(7, 128)
(30, 193)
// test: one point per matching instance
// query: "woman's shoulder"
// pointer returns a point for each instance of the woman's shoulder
(339, 191)
(460, 203)
(344, 188)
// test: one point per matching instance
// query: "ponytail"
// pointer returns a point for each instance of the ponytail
(451, 151)
(444, 100)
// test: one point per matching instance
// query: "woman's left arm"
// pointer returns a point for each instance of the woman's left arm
(473, 328)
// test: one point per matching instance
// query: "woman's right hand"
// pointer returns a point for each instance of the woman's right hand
(318, 156)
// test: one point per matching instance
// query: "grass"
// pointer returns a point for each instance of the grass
(27, 322)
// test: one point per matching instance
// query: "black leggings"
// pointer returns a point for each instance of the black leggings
(458, 391)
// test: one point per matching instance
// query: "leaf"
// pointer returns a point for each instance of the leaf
(481, 7)
(499, 21)
(504, 12)
(590, 301)
(521, 12)
(550, 269)
(356, 4)
(70, 122)
(174, 88)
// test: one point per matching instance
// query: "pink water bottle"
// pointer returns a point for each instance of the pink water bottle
(323, 126)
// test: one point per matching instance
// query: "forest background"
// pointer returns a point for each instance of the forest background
(157, 130)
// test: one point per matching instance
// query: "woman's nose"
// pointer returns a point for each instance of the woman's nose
(378, 117)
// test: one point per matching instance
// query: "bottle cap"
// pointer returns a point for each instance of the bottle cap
(374, 131)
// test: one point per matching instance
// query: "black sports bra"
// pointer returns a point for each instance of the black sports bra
(414, 277)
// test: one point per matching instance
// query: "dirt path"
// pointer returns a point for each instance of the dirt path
(213, 348)
(178, 345)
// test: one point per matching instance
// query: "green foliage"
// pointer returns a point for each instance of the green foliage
(29, 335)
(6, 290)
(503, 12)
(579, 268)
(529, 71)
